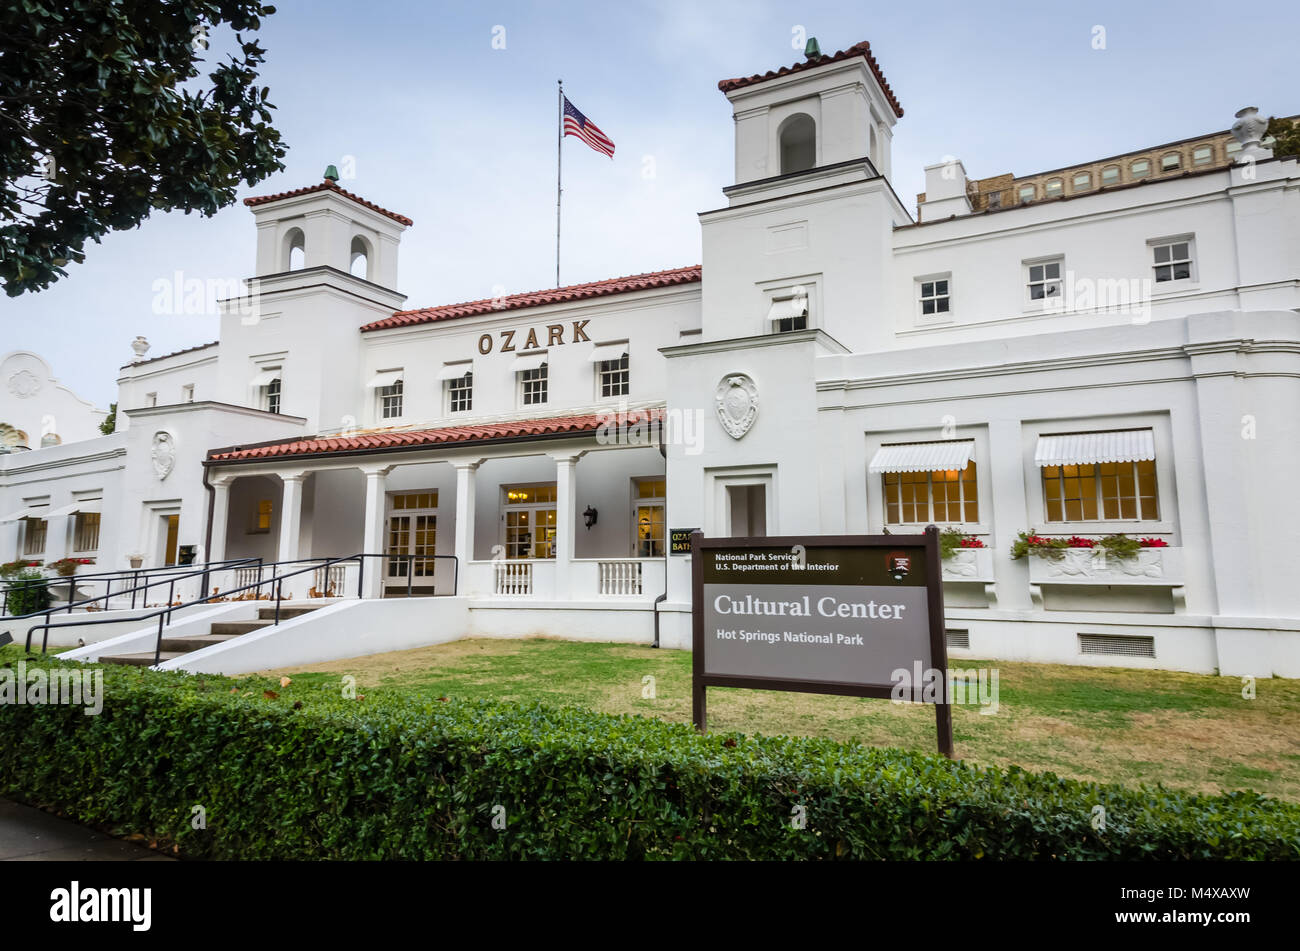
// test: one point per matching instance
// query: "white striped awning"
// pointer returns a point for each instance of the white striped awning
(384, 378)
(265, 377)
(31, 511)
(786, 308)
(533, 361)
(455, 371)
(608, 351)
(923, 456)
(1121, 445)
(85, 505)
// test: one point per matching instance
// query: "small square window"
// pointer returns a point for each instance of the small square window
(613, 377)
(1082, 181)
(1044, 282)
(995, 199)
(1170, 161)
(1232, 147)
(1203, 155)
(1054, 188)
(1110, 175)
(934, 297)
(1026, 193)
(1140, 168)
(533, 386)
(1172, 261)
(187, 393)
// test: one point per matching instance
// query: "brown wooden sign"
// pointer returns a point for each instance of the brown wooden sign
(834, 614)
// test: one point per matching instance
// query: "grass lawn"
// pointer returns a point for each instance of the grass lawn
(1188, 731)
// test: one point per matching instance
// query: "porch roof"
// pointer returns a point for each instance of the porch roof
(479, 433)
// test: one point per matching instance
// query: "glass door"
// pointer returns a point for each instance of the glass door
(412, 535)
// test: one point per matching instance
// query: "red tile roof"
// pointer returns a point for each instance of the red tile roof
(859, 49)
(554, 295)
(327, 185)
(449, 436)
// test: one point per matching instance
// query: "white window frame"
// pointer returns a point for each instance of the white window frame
(385, 397)
(1178, 161)
(29, 537)
(929, 482)
(81, 533)
(1048, 301)
(151, 399)
(273, 394)
(451, 389)
(611, 370)
(1119, 175)
(523, 379)
(1209, 158)
(187, 393)
(1087, 184)
(1154, 244)
(1060, 188)
(533, 507)
(1134, 175)
(1029, 187)
(931, 280)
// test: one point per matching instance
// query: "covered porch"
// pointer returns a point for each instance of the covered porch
(536, 512)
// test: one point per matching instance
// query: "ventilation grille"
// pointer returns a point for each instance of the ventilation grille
(1126, 645)
(959, 639)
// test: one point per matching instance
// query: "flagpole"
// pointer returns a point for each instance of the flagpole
(559, 166)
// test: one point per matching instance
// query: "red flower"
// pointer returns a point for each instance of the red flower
(1153, 543)
(970, 543)
(1077, 541)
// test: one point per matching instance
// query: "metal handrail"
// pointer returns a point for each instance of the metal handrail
(109, 593)
(316, 564)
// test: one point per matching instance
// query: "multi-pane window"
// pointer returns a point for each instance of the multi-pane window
(1026, 193)
(648, 513)
(613, 377)
(789, 314)
(533, 386)
(530, 521)
(1173, 261)
(1170, 161)
(1140, 168)
(261, 518)
(1203, 155)
(1110, 175)
(1053, 187)
(1045, 281)
(923, 497)
(934, 297)
(460, 393)
(271, 396)
(85, 532)
(1082, 181)
(995, 199)
(413, 535)
(1101, 491)
(34, 536)
(390, 400)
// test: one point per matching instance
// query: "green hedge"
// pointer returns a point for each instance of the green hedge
(302, 773)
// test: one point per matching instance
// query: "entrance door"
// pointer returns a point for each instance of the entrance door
(171, 526)
(413, 531)
(747, 509)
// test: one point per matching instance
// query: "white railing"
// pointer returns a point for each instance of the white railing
(246, 576)
(328, 582)
(620, 577)
(512, 577)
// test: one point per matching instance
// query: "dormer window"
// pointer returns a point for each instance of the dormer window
(798, 138)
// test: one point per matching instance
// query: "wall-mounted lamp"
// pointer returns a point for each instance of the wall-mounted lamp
(589, 516)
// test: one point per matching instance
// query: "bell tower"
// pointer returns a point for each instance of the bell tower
(326, 265)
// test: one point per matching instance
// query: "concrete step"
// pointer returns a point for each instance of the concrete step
(238, 627)
(268, 614)
(193, 642)
(143, 659)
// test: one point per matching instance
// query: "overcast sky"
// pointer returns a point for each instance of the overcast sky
(444, 128)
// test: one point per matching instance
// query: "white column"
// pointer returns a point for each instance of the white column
(466, 492)
(220, 516)
(372, 540)
(566, 498)
(290, 515)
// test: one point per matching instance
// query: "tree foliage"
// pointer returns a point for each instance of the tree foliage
(104, 119)
(1287, 134)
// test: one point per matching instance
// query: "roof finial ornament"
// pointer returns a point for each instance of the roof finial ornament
(1249, 130)
(140, 346)
(332, 173)
(812, 50)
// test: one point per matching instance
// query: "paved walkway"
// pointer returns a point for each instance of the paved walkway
(30, 835)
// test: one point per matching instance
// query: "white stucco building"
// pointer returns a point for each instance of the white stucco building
(1120, 356)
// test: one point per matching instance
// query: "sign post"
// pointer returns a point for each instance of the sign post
(852, 615)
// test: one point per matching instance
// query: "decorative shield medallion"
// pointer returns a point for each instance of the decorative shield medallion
(163, 453)
(736, 401)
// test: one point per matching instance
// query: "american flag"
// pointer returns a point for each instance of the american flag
(575, 123)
